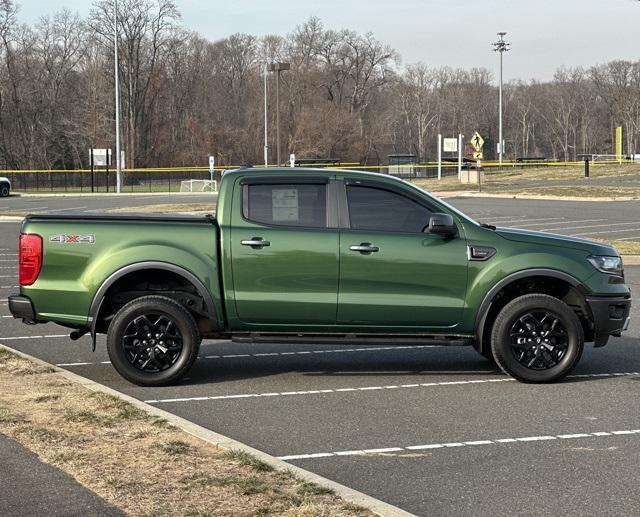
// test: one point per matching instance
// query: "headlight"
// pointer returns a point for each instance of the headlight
(611, 265)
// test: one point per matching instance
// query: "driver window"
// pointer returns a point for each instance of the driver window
(377, 209)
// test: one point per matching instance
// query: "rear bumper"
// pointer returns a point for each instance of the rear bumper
(22, 307)
(610, 316)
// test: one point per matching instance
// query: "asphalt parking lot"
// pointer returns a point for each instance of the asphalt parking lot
(433, 430)
(616, 221)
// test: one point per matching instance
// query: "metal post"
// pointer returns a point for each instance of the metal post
(501, 46)
(439, 156)
(460, 137)
(108, 164)
(266, 141)
(278, 117)
(117, 88)
(91, 160)
(500, 109)
(278, 67)
(586, 166)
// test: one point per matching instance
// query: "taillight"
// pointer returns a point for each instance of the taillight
(29, 258)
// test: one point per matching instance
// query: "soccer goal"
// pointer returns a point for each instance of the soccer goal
(199, 186)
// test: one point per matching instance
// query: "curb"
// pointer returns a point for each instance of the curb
(348, 494)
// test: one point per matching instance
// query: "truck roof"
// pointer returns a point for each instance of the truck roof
(303, 170)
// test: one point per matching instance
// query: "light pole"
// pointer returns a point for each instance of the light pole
(266, 141)
(278, 67)
(501, 46)
(117, 88)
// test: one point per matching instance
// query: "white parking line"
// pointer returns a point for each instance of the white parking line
(547, 223)
(331, 351)
(9, 260)
(9, 286)
(523, 218)
(367, 388)
(7, 276)
(8, 267)
(604, 232)
(634, 238)
(473, 443)
(590, 226)
(68, 208)
(305, 352)
(10, 316)
(8, 254)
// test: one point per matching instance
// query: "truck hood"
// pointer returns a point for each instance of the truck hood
(554, 239)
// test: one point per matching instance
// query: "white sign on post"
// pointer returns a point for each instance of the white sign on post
(101, 157)
(212, 166)
(292, 160)
(450, 145)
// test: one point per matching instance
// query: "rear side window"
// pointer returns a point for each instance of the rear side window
(302, 205)
(377, 209)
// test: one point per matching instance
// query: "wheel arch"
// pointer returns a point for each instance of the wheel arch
(138, 267)
(509, 284)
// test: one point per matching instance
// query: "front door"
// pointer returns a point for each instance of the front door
(392, 274)
(284, 255)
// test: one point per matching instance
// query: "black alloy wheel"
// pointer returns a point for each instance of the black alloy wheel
(152, 342)
(539, 340)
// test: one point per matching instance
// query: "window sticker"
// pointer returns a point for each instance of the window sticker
(285, 204)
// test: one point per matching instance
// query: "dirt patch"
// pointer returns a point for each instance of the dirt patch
(140, 463)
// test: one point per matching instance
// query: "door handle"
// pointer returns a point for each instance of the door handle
(255, 242)
(365, 247)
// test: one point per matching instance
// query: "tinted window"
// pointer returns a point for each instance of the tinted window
(376, 209)
(287, 205)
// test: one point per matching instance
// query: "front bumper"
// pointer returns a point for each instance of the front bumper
(22, 307)
(610, 316)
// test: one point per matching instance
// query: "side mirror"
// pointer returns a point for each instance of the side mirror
(442, 224)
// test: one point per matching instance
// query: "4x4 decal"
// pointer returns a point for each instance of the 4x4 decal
(73, 239)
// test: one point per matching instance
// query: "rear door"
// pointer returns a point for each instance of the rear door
(393, 274)
(284, 245)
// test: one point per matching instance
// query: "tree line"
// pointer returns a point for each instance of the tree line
(346, 96)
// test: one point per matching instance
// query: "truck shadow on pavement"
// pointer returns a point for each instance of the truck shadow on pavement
(435, 364)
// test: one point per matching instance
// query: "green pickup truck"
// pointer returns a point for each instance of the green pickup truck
(323, 256)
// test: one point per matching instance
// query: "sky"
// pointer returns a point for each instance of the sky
(545, 34)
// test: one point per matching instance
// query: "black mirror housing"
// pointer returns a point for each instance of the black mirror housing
(442, 224)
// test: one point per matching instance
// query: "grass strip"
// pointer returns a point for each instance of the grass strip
(140, 463)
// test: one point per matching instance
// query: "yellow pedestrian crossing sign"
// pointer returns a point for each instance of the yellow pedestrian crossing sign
(477, 142)
(477, 155)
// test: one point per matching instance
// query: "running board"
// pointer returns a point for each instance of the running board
(340, 339)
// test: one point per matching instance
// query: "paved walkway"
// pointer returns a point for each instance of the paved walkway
(29, 487)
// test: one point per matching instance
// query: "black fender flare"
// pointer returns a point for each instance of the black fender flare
(99, 297)
(485, 306)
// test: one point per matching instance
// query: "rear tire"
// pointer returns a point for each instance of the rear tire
(537, 338)
(153, 341)
(4, 190)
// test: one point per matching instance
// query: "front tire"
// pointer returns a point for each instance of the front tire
(537, 338)
(4, 190)
(153, 341)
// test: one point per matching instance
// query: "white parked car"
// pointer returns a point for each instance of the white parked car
(5, 187)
